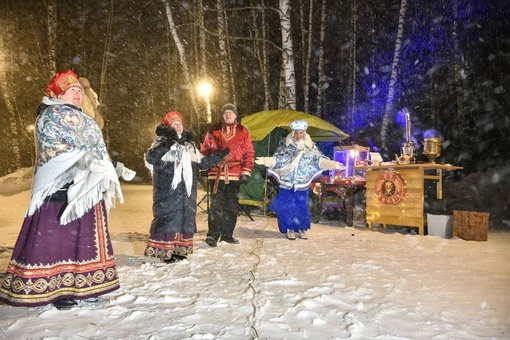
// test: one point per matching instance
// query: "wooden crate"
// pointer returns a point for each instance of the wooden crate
(470, 225)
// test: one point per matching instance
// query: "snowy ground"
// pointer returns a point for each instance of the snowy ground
(340, 283)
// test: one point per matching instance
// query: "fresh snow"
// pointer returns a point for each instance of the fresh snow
(342, 282)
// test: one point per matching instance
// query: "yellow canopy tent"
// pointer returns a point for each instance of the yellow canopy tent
(260, 124)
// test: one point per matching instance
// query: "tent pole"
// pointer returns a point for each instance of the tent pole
(265, 180)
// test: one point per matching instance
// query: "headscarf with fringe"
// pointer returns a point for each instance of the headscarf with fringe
(71, 149)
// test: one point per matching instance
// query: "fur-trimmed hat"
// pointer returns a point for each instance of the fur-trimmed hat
(230, 107)
(171, 117)
(299, 125)
(61, 82)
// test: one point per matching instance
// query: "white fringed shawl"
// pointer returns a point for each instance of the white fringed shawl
(181, 156)
(64, 136)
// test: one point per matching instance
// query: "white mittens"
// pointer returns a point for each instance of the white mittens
(128, 174)
(266, 161)
(327, 164)
(124, 172)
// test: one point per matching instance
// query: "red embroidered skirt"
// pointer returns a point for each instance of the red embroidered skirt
(51, 261)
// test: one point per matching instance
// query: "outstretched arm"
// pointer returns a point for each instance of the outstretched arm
(213, 159)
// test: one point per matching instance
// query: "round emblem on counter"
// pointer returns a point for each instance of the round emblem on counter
(389, 188)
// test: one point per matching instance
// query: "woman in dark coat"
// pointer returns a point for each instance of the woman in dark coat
(174, 161)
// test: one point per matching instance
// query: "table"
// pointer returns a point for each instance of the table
(395, 192)
(344, 188)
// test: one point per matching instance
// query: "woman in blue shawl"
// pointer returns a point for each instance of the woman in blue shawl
(295, 163)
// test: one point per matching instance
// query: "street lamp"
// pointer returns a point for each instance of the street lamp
(205, 89)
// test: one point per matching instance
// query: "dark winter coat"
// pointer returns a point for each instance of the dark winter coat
(174, 210)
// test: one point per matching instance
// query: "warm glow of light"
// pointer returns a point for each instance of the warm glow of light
(204, 89)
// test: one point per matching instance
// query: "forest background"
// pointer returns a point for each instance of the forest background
(354, 63)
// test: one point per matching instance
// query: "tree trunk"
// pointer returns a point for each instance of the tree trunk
(282, 90)
(268, 103)
(288, 55)
(321, 66)
(232, 98)
(389, 107)
(460, 121)
(260, 48)
(52, 36)
(222, 43)
(201, 36)
(308, 58)
(104, 67)
(182, 55)
(352, 105)
(14, 132)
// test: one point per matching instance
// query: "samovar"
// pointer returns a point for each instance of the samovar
(432, 148)
(408, 148)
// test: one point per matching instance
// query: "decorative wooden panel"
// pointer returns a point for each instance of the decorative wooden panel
(408, 211)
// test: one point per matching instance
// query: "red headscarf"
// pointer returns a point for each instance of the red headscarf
(171, 117)
(61, 82)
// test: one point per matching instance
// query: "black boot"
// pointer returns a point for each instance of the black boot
(65, 304)
(211, 242)
(230, 240)
(174, 258)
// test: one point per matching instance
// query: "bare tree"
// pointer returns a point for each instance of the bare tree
(52, 35)
(321, 67)
(308, 57)
(460, 120)
(222, 43)
(201, 38)
(182, 54)
(353, 52)
(282, 89)
(260, 48)
(288, 54)
(14, 126)
(389, 107)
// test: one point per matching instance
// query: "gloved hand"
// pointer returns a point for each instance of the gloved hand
(98, 166)
(244, 179)
(339, 166)
(224, 152)
(327, 164)
(266, 161)
(86, 159)
(167, 142)
(167, 131)
(128, 174)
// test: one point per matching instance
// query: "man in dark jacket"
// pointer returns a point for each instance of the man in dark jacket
(225, 178)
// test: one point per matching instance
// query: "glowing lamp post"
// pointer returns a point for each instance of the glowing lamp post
(205, 89)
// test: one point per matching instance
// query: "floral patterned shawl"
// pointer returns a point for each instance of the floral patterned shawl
(66, 137)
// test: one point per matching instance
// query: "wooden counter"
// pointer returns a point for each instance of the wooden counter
(395, 192)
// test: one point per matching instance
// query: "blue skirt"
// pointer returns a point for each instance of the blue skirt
(291, 208)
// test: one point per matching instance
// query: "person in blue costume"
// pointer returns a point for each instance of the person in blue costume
(295, 163)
